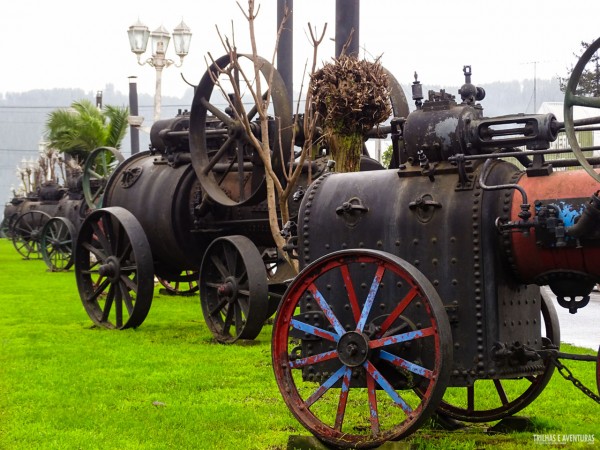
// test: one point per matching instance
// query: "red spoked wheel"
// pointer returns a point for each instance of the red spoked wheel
(357, 333)
(598, 370)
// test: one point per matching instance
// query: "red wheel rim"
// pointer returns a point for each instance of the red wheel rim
(598, 370)
(362, 401)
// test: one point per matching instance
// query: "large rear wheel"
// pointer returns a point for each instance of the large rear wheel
(572, 100)
(224, 122)
(488, 400)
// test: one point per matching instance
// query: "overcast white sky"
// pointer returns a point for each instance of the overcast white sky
(62, 43)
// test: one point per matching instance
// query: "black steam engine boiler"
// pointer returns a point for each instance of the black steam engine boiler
(420, 285)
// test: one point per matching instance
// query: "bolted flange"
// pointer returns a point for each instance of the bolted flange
(353, 348)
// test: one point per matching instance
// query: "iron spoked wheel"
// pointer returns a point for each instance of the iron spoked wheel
(572, 99)
(98, 167)
(233, 289)
(27, 233)
(397, 98)
(186, 283)
(7, 226)
(279, 274)
(507, 396)
(355, 334)
(229, 168)
(114, 269)
(57, 244)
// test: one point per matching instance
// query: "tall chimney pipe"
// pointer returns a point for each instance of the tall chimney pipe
(285, 52)
(134, 132)
(347, 18)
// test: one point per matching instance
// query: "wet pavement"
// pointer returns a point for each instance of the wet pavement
(583, 328)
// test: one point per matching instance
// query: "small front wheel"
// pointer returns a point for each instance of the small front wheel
(233, 289)
(27, 233)
(114, 269)
(57, 244)
(357, 334)
(185, 283)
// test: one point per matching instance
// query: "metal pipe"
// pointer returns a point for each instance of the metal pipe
(589, 221)
(285, 52)
(347, 18)
(134, 132)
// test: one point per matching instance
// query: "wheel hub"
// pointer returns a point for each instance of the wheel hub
(228, 289)
(353, 349)
(111, 269)
(236, 130)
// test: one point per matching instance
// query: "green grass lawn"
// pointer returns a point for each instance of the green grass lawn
(65, 384)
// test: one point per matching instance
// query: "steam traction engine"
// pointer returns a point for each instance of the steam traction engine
(420, 285)
(189, 209)
(44, 224)
(193, 209)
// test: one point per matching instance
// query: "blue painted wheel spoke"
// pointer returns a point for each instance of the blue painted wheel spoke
(326, 309)
(315, 359)
(311, 329)
(345, 390)
(370, 298)
(387, 387)
(401, 362)
(326, 386)
(391, 340)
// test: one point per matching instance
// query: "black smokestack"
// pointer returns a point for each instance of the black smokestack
(347, 15)
(285, 53)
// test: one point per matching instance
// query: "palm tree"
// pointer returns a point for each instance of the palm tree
(80, 129)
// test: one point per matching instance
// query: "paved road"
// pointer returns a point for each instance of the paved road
(583, 328)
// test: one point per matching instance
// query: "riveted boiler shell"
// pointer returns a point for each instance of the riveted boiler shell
(162, 199)
(446, 232)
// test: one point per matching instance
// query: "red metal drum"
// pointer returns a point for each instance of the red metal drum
(534, 261)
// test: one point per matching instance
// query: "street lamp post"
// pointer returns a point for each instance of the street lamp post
(160, 38)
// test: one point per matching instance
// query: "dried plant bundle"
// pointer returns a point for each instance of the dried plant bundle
(351, 96)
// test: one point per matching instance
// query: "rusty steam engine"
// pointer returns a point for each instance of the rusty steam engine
(416, 281)
(423, 281)
(44, 224)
